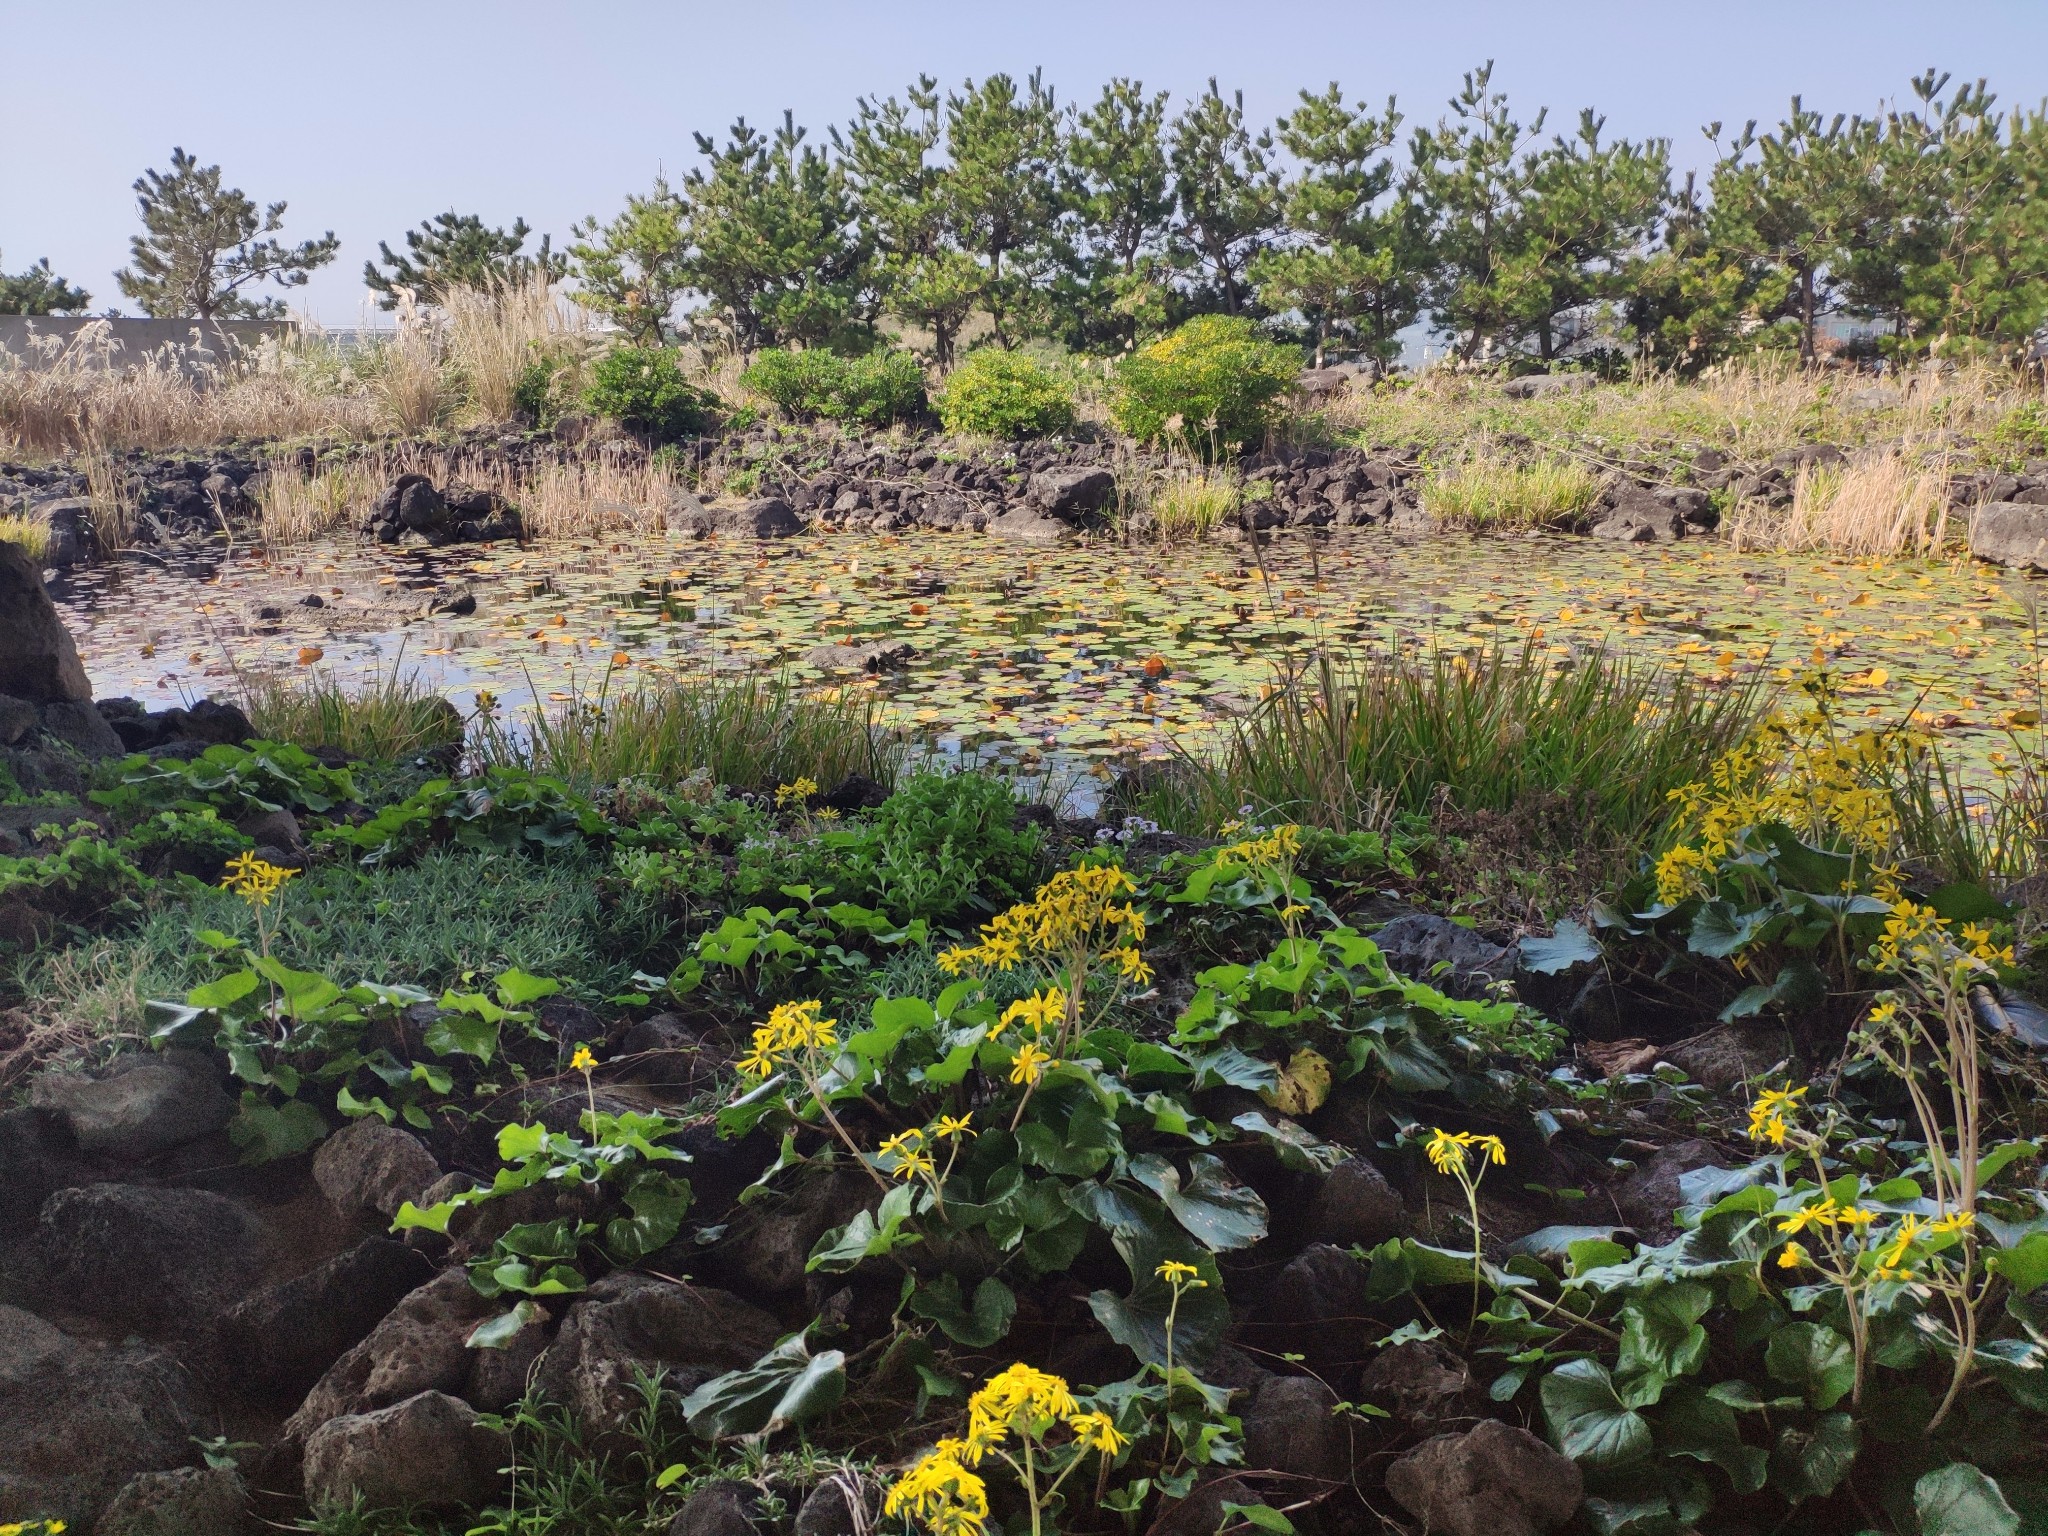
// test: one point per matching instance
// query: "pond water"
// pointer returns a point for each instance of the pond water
(1069, 658)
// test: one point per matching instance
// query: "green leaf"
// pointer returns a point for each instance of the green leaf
(1569, 945)
(498, 1332)
(788, 1385)
(223, 990)
(516, 989)
(1218, 1211)
(2025, 1267)
(1815, 1359)
(1296, 1148)
(1697, 1424)
(1260, 1517)
(658, 1202)
(1959, 1500)
(266, 1133)
(1588, 1418)
(978, 1325)
(462, 1034)
(1808, 1464)
(1661, 1333)
(1718, 930)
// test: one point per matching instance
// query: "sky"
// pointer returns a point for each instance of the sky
(369, 116)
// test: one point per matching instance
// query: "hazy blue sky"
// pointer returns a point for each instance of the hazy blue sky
(371, 115)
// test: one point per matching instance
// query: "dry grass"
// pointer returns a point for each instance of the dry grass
(493, 335)
(1880, 505)
(1490, 493)
(607, 488)
(1749, 410)
(86, 396)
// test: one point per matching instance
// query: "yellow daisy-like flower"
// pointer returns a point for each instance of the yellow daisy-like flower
(1176, 1272)
(1902, 1240)
(1031, 1063)
(801, 790)
(913, 1162)
(1793, 1256)
(1770, 1117)
(582, 1061)
(1822, 1213)
(1955, 1221)
(1039, 1011)
(1097, 1432)
(1855, 1216)
(947, 1127)
(255, 880)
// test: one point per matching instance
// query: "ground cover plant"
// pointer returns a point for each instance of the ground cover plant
(1050, 1119)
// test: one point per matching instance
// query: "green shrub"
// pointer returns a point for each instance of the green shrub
(1215, 382)
(643, 389)
(884, 386)
(1002, 394)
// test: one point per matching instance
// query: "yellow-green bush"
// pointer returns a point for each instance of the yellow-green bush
(1005, 394)
(1215, 383)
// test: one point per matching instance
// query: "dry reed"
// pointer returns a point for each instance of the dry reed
(494, 334)
(1879, 505)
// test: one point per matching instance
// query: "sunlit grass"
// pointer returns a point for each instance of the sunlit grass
(1487, 494)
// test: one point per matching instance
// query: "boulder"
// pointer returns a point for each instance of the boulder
(151, 1260)
(76, 724)
(769, 517)
(420, 1346)
(631, 1324)
(1291, 1427)
(766, 1247)
(140, 1106)
(185, 1501)
(283, 1339)
(1493, 1480)
(78, 1422)
(421, 507)
(428, 1451)
(1029, 527)
(1071, 493)
(1634, 515)
(17, 718)
(71, 533)
(1449, 956)
(372, 1166)
(1729, 1055)
(1419, 1382)
(877, 656)
(833, 1508)
(721, 1508)
(1539, 386)
(2006, 532)
(1650, 1193)
(1356, 1205)
(38, 662)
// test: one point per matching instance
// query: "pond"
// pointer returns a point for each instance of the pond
(1057, 660)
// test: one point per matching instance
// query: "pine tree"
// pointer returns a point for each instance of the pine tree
(907, 213)
(1122, 204)
(39, 291)
(199, 247)
(457, 250)
(777, 250)
(1228, 194)
(1355, 266)
(633, 269)
(1003, 184)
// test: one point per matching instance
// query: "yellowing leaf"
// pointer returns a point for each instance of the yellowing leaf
(1304, 1084)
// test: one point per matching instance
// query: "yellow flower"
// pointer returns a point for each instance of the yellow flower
(941, 1492)
(582, 1061)
(255, 880)
(1855, 1216)
(902, 1141)
(1902, 1241)
(1039, 1010)
(1495, 1149)
(946, 1127)
(1015, 1399)
(1097, 1432)
(1031, 1063)
(1955, 1221)
(1770, 1117)
(1174, 1271)
(912, 1162)
(1793, 1255)
(1822, 1213)
(802, 789)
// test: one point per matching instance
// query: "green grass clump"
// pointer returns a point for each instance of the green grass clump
(1494, 732)
(1490, 494)
(751, 731)
(389, 719)
(1004, 394)
(1192, 503)
(32, 535)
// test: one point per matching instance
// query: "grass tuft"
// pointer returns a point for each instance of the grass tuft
(1492, 494)
(32, 534)
(391, 718)
(1492, 732)
(750, 731)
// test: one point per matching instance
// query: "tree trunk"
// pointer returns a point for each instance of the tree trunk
(1806, 319)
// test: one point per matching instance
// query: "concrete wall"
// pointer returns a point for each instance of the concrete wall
(191, 344)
